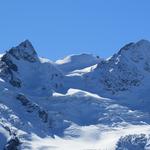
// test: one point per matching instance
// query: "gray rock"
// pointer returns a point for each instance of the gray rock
(12, 144)
(132, 142)
(24, 51)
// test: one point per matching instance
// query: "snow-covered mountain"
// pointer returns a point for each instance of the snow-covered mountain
(77, 62)
(80, 102)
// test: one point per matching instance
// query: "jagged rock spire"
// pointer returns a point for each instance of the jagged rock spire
(24, 50)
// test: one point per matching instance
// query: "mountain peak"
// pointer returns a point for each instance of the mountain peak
(141, 47)
(143, 42)
(26, 44)
(24, 50)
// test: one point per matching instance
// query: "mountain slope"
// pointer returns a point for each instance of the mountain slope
(82, 102)
(125, 74)
(126, 68)
(22, 68)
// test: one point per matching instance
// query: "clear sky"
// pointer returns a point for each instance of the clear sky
(62, 27)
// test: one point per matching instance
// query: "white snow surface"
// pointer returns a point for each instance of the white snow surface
(78, 103)
(77, 62)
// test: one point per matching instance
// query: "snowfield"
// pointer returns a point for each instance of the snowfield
(81, 102)
(105, 140)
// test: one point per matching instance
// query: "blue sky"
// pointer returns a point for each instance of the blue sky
(61, 27)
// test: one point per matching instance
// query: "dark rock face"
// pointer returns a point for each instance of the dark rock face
(12, 144)
(6, 58)
(132, 142)
(24, 51)
(43, 115)
(23, 99)
(116, 75)
(7, 71)
(15, 83)
(32, 107)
